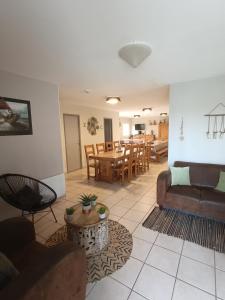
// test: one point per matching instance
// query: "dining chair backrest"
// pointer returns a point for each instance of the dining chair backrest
(141, 150)
(89, 150)
(100, 148)
(116, 145)
(109, 146)
(134, 151)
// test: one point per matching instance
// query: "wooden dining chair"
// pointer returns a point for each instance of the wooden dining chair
(134, 160)
(116, 145)
(100, 148)
(109, 146)
(123, 169)
(141, 158)
(147, 155)
(91, 163)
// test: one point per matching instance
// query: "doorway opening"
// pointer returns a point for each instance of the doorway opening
(108, 131)
(72, 142)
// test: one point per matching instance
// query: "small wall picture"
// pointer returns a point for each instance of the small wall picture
(15, 117)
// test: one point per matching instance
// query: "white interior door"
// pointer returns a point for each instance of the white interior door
(72, 142)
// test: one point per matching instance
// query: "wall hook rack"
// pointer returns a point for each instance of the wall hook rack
(215, 121)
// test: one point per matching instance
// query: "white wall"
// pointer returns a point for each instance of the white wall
(191, 100)
(38, 155)
(85, 113)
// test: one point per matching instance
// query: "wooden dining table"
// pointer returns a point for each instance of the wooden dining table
(106, 161)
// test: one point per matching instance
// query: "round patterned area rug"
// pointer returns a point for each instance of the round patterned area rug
(110, 259)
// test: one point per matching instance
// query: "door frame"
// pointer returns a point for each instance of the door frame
(78, 116)
(104, 127)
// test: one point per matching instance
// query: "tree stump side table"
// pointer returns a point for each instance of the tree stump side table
(87, 230)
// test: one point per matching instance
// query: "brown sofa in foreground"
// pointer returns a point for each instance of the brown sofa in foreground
(200, 198)
(45, 273)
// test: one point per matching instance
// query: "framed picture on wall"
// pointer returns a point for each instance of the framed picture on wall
(15, 117)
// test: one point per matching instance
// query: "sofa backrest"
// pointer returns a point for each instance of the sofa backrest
(206, 175)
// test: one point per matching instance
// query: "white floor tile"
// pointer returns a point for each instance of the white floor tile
(114, 218)
(184, 291)
(142, 207)
(135, 296)
(128, 203)
(164, 260)
(129, 272)
(220, 284)
(89, 287)
(197, 274)
(169, 242)
(154, 284)
(140, 249)
(118, 210)
(145, 234)
(199, 253)
(109, 289)
(220, 261)
(134, 215)
(128, 224)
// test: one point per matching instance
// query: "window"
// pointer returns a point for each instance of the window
(126, 129)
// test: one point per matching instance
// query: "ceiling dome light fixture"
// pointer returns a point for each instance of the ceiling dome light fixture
(163, 114)
(112, 100)
(137, 116)
(135, 53)
(147, 109)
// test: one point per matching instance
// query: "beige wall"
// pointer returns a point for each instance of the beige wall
(85, 113)
(38, 155)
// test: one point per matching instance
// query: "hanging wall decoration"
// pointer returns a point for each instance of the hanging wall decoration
(216, 123)
(92, 125)
(182, 129)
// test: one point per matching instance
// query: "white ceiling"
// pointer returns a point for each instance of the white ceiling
(75, 44)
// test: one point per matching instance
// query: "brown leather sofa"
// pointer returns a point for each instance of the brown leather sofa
(200, 198)
(45, 273)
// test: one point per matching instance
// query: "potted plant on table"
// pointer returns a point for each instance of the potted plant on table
(86, 203)
(69, 214)
(101, 212)
(93, 200)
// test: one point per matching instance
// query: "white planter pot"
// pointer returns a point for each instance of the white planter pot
(93, 203)
(102, 216)
(86, 209)
(69, 218)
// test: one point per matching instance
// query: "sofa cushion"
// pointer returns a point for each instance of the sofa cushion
(186, 190)
(7, 271)
(221, 184)
(214, 196)
(180, 176)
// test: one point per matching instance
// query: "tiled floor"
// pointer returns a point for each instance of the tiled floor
(160, 267)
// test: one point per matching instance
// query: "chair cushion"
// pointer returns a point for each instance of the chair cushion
(27, 198)
(180, 176)
(7, 271)
(221, 184)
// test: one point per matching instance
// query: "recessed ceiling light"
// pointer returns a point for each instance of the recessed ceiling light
(147, 109)
(113, 100)
(137, 116)
(163, 114)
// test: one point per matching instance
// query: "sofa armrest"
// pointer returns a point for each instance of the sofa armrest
(163, 183)
(15, 233)
(58, 274)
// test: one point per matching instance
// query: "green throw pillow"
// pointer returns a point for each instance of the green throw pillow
(7, 271)
(180, 176)
(221, 184)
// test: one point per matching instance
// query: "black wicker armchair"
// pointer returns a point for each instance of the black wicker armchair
(27, 193)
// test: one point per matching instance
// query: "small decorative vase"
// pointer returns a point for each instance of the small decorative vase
(69, 218)
(86, 208)
(102, 216)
